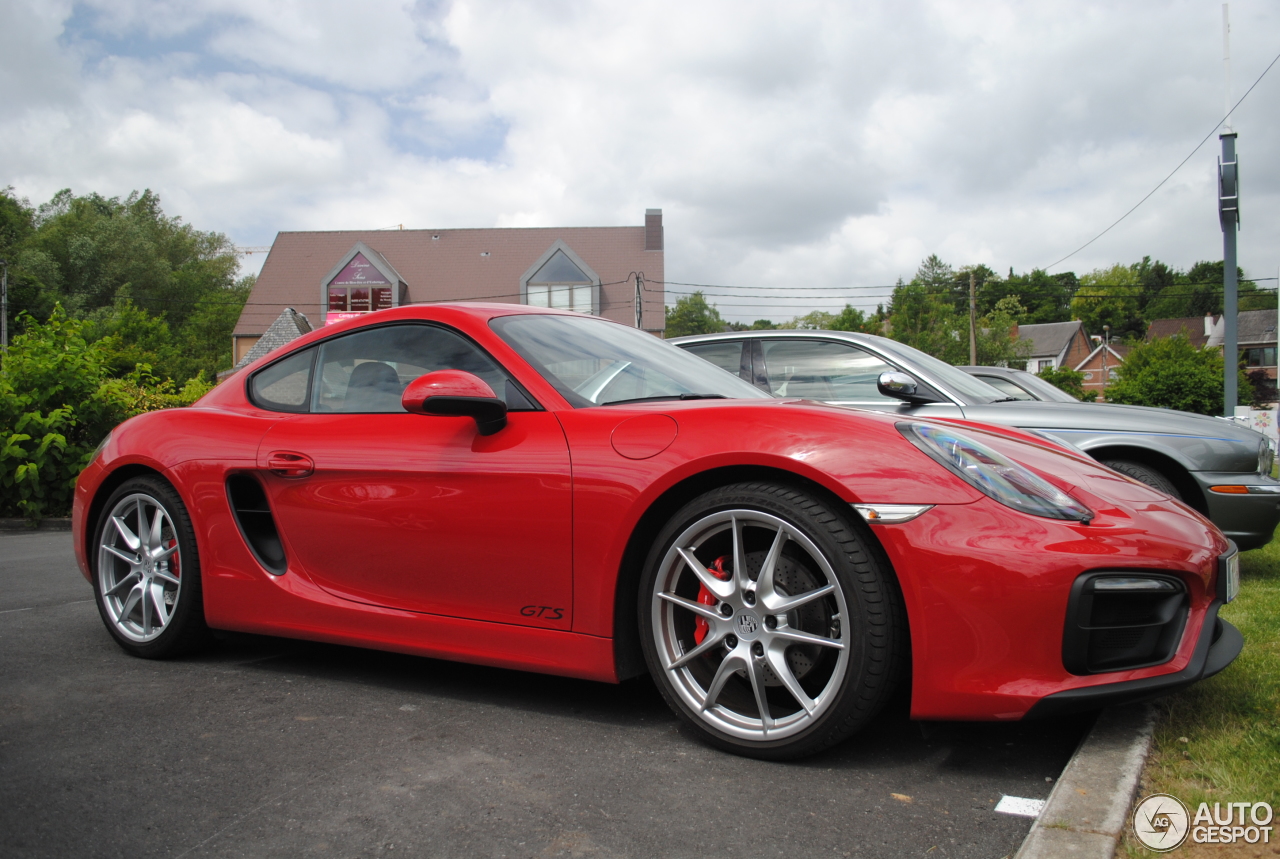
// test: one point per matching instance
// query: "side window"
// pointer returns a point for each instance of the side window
(725, 354)
(366, 372)
(284, 385)
(824, 370)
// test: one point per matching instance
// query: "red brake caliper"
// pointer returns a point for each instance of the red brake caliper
(173, 559)
(700, 625)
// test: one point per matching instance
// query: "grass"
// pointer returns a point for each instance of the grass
(1219, 740)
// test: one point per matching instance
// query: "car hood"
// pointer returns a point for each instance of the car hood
(1110, 417)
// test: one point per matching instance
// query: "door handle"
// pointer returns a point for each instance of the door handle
(286, 463)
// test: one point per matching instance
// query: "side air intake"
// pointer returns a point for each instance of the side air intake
(257, 525)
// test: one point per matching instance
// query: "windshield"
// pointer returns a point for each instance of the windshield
(593, 362)
(1044, 390)
(972, 391)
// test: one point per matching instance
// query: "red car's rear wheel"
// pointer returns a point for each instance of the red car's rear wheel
(770, 627)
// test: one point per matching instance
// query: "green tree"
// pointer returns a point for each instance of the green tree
(1047, 298)
(1200, 291)
(1110, 296)
(1171, 373)
(90, 251)
(693, 315)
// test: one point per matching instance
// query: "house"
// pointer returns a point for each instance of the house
(1197, 329)
(1100, 366)
(1256, 339)
(1054, 344)
(289, 326)
(326, 276)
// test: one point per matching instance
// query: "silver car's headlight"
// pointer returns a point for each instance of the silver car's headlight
(1266, 456)
(993, 474)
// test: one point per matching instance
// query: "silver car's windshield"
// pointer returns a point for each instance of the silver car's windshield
(970, 390)
(1042, 389)
(593, 362)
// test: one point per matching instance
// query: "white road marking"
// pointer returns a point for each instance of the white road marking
(1016, 805)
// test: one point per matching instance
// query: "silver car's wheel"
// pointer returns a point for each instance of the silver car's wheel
(146, 574)
(754, 630)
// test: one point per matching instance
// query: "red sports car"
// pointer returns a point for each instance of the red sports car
(554, 492)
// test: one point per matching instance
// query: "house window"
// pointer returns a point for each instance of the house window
(1261, 356)
(561, 283)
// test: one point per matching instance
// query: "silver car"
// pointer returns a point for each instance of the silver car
(1218, 468)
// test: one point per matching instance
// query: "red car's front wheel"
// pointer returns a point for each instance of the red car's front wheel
(147, 572)
(769, 626)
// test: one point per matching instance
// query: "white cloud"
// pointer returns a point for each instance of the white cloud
(816, 144)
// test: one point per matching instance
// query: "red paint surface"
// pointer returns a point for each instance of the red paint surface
(415, 534)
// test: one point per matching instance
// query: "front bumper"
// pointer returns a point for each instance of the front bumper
(1219, 644)
(1248, 519)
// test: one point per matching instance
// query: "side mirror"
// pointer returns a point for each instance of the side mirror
(902, 387)
(456, 393)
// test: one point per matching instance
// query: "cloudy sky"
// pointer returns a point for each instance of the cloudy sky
(788, 144)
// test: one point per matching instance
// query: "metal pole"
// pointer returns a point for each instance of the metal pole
(1229, 215)
(973, 325)
(639, 301)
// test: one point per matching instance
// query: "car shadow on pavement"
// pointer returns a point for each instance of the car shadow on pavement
(890, 740)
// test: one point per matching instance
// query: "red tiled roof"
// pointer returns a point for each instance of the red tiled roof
(460, 265)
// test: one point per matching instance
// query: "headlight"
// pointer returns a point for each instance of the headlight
(993, 474)
(1266, 456)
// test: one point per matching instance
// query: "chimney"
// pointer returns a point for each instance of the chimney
(1208, 324)
(653, 229)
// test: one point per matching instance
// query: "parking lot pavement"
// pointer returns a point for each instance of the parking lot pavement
(267, 747)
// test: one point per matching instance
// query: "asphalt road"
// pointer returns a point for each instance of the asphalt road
(267, 747)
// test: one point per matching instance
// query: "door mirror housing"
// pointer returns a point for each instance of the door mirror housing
(456, 393)
(903, 387)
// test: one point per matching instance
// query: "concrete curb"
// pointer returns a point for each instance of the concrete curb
(1088, 808)
(35, 525)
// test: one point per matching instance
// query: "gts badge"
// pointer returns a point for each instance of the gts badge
(545, 612)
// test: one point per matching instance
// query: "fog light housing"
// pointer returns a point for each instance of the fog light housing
(1118, 621)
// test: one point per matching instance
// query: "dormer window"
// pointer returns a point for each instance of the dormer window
(361, 283)
(561, 280)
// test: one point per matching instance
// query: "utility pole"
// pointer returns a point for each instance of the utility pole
(1106, 347)
(973, 323)
(1229, 217)
(640, 300)
(4, 307)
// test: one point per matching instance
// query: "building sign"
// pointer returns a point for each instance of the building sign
(359, 288)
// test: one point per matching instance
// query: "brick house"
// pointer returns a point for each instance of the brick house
(1100, 366)
(331, 275)
(1054, 344)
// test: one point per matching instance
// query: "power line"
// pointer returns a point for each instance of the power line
(1175, 169)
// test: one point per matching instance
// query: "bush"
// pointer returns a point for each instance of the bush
(1071, 381)
(57, 402)
(1170, 373)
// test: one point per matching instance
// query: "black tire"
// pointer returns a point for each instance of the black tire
(1144, 474)
(146, 571)
(757, 662)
